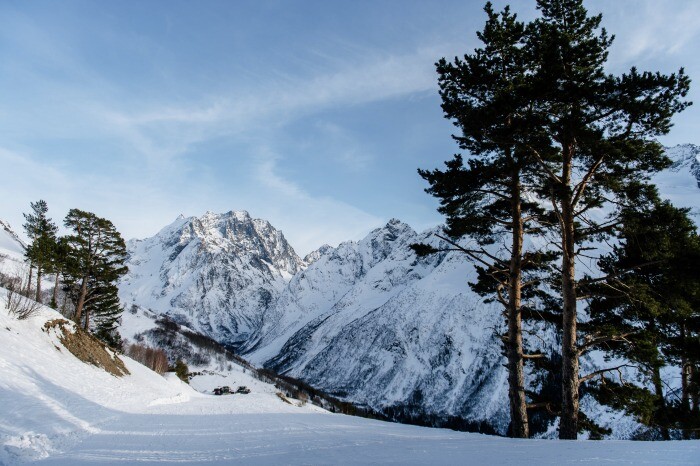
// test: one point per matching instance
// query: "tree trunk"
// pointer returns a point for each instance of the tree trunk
(81, 301)
(87, 319)
(685, 377)
(660, 401)
(29, 282)
(54, 299)
(692, 371)
(516, 377)
(568, 426)
(38, 284)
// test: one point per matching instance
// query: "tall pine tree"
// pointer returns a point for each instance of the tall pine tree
(94, 262)
(483, 94)
(42, 234)
(652, 297)
(600, 131)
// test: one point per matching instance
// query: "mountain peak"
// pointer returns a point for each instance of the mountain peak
(313, 256)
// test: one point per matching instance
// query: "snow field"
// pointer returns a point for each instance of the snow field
(56, 410)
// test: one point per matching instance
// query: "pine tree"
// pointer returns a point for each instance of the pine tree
(56, 266)
(601, 133)
(106, 311)
(94, 262)
(42, 233)
(652, 297)
(484, 197)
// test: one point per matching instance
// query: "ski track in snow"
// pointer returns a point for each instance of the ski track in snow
(336, 439)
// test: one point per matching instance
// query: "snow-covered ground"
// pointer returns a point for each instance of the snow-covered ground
(337, 439)
(11, 251)
(54, 409)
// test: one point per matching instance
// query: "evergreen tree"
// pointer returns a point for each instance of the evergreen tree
(652, 298)
(106, 312)
(42, 234)
(541, 116)
(94, 262)
(56, 266)
(485, 197)
(600, 132)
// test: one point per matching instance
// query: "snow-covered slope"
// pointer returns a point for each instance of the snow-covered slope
(11, 250)
(49, 399)
(216, 273)
(57, 410)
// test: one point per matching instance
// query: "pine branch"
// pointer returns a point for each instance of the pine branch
(590, 341)
(581, 187)
(543, 164)
(587, 282)
(592, 375)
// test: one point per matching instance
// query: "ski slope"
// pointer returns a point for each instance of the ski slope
(57, 410)
(272, 439)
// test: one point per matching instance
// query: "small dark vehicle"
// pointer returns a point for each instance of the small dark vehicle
(243, 389)
(223, 391)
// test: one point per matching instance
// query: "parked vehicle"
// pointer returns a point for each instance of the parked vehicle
(225, 390)
(243, 389)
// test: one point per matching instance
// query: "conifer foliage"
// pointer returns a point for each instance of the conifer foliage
(94, 262)
(553, 140)
(485, 198)
(650, 303)
(41, 252)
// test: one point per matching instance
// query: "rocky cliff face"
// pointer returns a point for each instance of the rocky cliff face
(371, 322)
(217, 273)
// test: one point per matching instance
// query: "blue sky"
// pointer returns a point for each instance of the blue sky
(311, 114)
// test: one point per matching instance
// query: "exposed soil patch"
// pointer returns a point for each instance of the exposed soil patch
(86, 347)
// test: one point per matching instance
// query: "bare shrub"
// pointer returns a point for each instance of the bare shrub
(302, 397)
(18, 305)
(153, 358)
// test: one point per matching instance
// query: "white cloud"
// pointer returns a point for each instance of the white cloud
(650, 29)
(168, 129)
(307, 220)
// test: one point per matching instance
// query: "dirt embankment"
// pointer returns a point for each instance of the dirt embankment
(86, 347)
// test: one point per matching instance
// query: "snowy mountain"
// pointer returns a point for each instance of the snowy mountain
(313, 256)
(366, 321)
(374, 324)
(681, 182)
(216, 274)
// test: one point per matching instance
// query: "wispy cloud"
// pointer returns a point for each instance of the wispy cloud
(650, 29)
(272, 103)
(307, 220)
